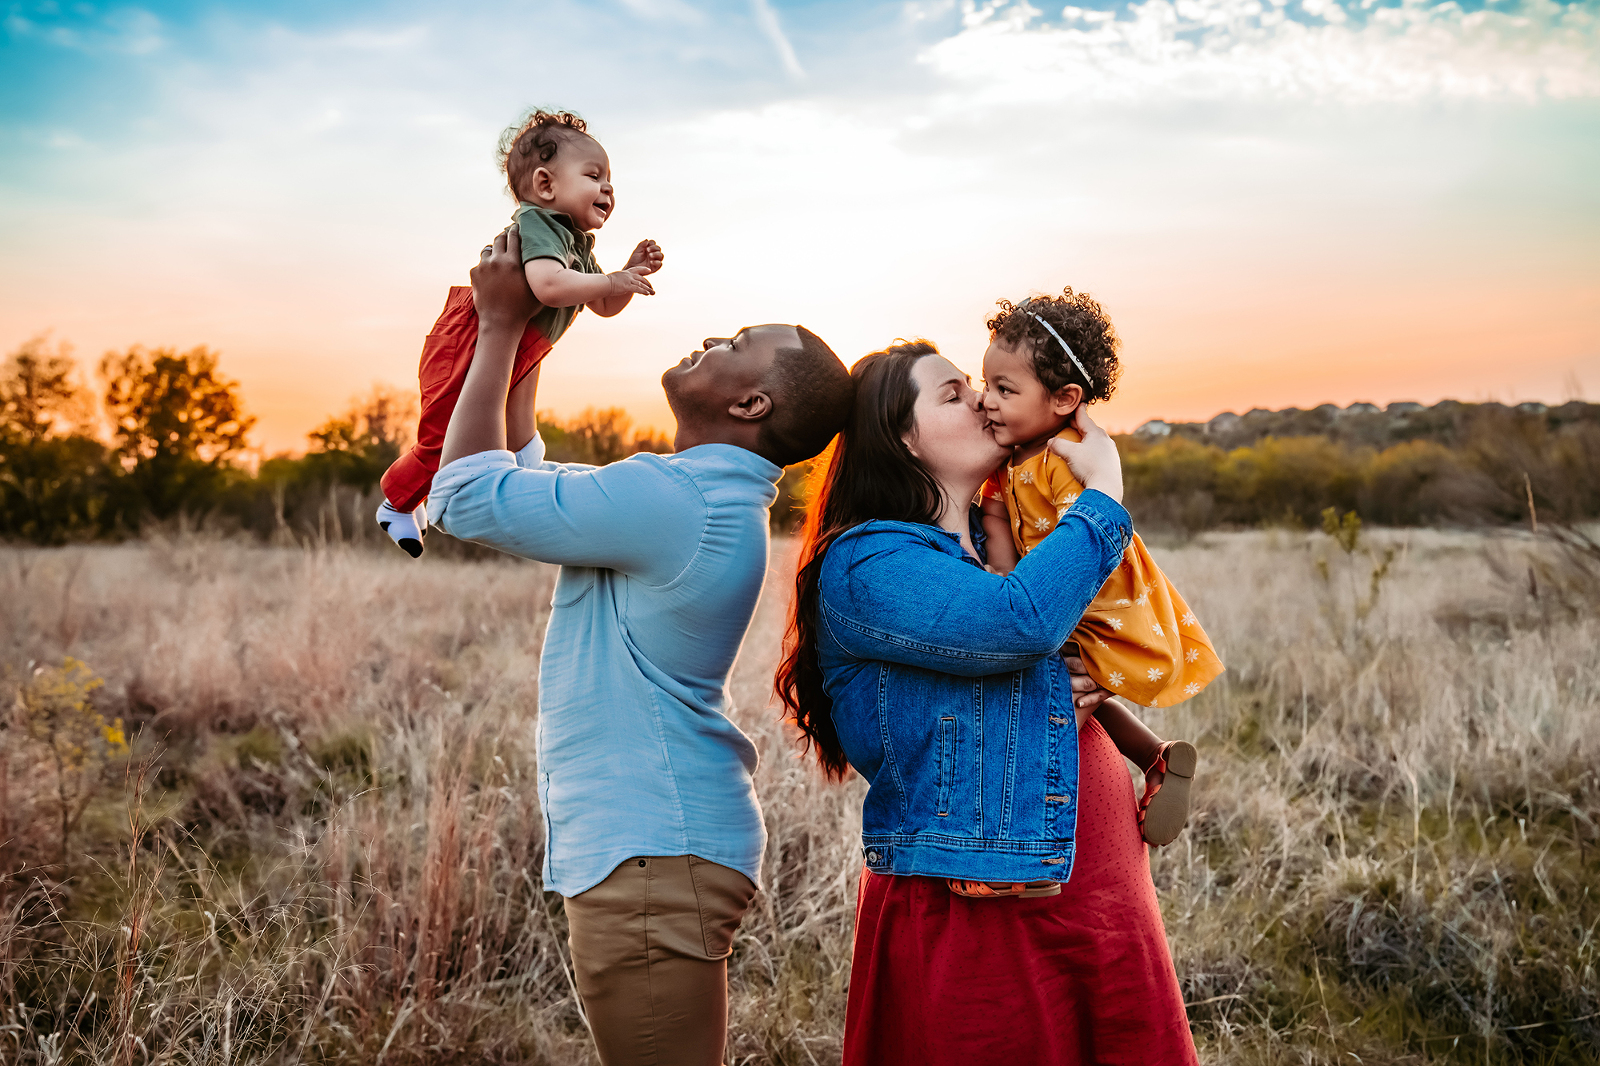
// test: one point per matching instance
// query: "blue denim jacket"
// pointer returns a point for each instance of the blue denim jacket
(950, 696)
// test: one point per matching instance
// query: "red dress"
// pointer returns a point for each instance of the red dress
(1083, 977)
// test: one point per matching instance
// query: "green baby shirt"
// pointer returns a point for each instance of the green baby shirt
(551, 235)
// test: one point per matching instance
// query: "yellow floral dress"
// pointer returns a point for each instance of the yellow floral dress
(1138, 638)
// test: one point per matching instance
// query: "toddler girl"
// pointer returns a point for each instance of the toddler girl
(1138, 638)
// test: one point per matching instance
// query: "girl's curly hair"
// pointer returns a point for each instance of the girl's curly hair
(1082, 323)
(532, 143)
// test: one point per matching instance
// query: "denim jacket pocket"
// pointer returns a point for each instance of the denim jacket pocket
(947, 763)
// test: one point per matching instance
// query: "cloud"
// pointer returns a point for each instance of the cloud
(126, 30)
(767, 19)
(1276, 50)
(666, 11)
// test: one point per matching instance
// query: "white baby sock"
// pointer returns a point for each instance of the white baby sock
(404, 529)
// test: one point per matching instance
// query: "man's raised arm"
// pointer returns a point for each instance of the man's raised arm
(643, 518)
(504, 304)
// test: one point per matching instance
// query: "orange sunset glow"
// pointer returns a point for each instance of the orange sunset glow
(1404, 218)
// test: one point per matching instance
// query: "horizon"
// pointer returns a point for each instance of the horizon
(1284, 204)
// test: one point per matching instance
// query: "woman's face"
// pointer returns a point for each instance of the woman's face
(950, 434)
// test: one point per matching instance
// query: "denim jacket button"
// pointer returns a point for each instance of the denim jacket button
(872, 856)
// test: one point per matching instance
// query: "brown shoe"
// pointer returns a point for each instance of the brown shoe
(1164, 810)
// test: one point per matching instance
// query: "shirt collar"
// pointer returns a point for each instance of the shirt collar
(565, 219)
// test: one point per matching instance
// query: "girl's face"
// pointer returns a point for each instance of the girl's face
(949, 433)
(1021, 410)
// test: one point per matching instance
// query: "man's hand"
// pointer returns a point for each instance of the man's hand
(646, 258)
(1087, 695)
(629, 283)
(500, 290)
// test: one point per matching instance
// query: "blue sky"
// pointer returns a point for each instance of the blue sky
(1278, 202)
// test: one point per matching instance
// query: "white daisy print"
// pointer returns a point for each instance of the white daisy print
(1116, 623)
(1042, 524)
(1191, 688)
(1115, 680)
(1124, 602)
(1156, 673)
(1061, 512)
(1155, 627)
(1192, 655)
(1188, 619)
(1026, 477)
(1144, 598)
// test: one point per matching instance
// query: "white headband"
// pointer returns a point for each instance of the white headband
(1064, 345)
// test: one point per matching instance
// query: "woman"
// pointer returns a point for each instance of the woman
(942, 684)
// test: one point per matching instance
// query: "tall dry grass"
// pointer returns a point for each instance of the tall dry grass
(325, 844)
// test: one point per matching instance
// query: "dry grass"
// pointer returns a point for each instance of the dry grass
(326, 845)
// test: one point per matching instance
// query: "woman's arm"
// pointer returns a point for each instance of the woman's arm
(887, 593)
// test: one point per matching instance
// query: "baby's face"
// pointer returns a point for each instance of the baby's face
(1021, 410)
(580, 183)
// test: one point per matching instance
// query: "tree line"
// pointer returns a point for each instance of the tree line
(164, 439)
(1454, 464)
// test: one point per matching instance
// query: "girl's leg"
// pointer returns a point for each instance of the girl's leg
(1168, 768)
(1137, 742)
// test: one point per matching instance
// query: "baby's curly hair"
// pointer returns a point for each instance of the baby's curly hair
(532, 143)
(1082, 323)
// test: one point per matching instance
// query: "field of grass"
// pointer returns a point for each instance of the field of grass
(297, 820)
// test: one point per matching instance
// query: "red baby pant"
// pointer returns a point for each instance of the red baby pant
(446, 354)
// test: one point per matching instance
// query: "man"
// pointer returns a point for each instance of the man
(654, 833)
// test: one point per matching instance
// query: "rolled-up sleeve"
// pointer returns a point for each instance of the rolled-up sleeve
(638, 516)
(893, 596)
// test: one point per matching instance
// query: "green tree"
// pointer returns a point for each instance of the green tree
(357, 447)
(39, 392)
(53, 477)
(177, 425)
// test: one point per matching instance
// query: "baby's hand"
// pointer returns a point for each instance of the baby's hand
(646, 258)
(629, 282)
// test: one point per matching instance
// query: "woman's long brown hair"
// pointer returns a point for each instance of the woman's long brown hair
(866, 473)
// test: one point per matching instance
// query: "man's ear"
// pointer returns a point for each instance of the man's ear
(1066, 400)
(753, 407)
(542, 184)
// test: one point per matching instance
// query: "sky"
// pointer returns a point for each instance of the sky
(1279, 202)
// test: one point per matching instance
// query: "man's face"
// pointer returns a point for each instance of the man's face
(726, 369)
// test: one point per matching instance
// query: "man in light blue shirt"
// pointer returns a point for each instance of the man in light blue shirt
(654, 833)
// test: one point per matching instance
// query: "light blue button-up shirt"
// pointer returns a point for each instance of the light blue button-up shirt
(662, 559)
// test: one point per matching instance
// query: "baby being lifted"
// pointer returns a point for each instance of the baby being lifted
(1046, 356)
(561, 178)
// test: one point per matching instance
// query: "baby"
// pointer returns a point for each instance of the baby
(1138, 638)
(561, 178)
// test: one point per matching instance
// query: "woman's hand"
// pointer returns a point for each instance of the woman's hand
(1087, 695)
(1094, 461)
(500, 292)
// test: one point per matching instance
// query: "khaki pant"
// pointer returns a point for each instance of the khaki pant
(650, 945)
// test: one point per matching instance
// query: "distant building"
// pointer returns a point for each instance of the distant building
(1361, 409)
(1404, 407)
(1326, 410)
(1223, 423)
(1532, 407)
(1154, 429)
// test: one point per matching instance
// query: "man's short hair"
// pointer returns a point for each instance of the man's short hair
(811, 396)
